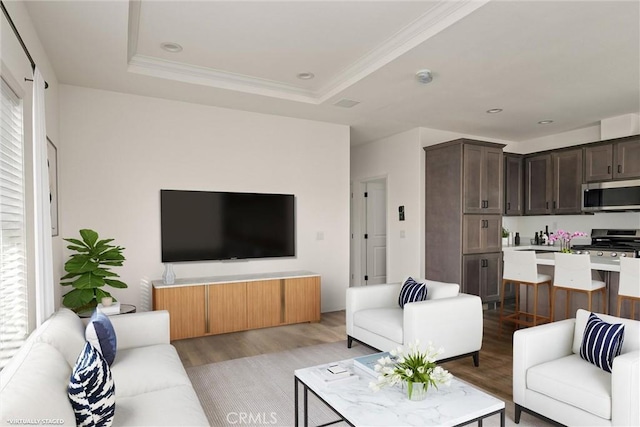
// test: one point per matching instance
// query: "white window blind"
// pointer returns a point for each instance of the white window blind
(13, 261)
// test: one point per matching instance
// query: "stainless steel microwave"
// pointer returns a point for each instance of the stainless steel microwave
(611, 196)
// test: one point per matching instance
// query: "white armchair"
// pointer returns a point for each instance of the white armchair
(447, 318)
(551, 381)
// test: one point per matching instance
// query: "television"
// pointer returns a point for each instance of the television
(215, 225)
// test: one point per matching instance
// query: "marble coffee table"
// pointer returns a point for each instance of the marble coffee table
(357, 405)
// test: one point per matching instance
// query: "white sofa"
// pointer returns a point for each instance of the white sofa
(151, 386)
(551, 380)
(449, 319)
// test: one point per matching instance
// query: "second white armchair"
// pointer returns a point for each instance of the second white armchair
(447, 318)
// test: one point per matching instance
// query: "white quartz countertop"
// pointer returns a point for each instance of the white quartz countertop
(597, 262)
(529, 247)
(234, 278)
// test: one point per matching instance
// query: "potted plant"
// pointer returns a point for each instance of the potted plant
(505, 237)
(89, 270)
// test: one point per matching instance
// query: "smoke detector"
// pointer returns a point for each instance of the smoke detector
(424, 76)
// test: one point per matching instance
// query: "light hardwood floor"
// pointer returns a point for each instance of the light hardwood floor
(493, 374)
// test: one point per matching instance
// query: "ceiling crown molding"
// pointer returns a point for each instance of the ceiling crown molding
(439, 17)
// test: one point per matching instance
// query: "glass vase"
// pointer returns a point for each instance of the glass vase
(417, 391)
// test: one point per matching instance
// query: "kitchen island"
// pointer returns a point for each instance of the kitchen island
(605, 269)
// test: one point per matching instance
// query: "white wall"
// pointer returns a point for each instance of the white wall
(15, 68)
(394, 158)
(120, 150)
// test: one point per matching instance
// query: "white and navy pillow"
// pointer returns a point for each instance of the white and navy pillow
(412, 291)
(601, 342)
(91, 389)
(102, 336)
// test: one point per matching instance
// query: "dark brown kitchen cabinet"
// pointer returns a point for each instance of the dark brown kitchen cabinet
(482, 275)
(482, 171)
(619, 159)
(513, 184)
(538, 180)
(463, 212)
(553, 182)
(481, 233)
(567, 182)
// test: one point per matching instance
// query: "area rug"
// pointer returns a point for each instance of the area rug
(259, 390)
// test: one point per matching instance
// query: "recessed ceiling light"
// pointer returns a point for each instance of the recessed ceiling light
(424, 76)
(545, 122)
(171, 47)
(305, 76)
(494, 110)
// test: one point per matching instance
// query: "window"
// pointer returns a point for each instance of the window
(13, 261)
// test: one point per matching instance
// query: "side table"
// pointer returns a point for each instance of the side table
(124, 309)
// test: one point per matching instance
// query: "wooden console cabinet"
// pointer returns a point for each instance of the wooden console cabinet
(217, 305)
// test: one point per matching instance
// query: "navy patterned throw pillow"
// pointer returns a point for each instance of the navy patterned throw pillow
(91, 389)
(412, 291)
(601, 342)
(102, 336)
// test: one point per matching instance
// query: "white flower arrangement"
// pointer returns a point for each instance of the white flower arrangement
(414, 366)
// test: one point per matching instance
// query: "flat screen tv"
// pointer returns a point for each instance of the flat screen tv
(213, 225)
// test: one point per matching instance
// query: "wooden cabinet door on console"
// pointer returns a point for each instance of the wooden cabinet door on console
(186, 306)
(264, 303)
(227, 308)
(302, 300)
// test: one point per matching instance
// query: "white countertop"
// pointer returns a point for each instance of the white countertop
(529, 247)
(234, 278)
(597, 262)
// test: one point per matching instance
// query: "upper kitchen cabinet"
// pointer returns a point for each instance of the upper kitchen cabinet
(482, 171)
(567, 182)
(616, 159)
(538, 184)
(513, 184)
(553, 182)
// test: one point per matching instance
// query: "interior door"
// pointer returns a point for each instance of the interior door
(375, 242)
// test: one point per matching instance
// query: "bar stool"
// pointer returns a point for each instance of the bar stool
(572, 273)
(520, 268)
(629, 283)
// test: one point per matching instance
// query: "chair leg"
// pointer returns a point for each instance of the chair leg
(605, 303)
(567, 303)
(552, 297)
(502, 306)
(476, 359)
(620, 306)
(589, 303)
(549, 288)
(349, 341)
(535, 305)
(518, 412)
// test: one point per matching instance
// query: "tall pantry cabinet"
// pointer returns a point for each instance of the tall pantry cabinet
(463, 210)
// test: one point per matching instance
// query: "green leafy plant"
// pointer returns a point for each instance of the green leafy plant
(89, 270)
(505, 232)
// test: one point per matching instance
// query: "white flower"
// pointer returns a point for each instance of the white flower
(374, 386)
(377, 368)
(408, 372)
(421, 369)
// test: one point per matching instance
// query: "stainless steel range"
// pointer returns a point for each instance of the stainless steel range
(611, 243)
